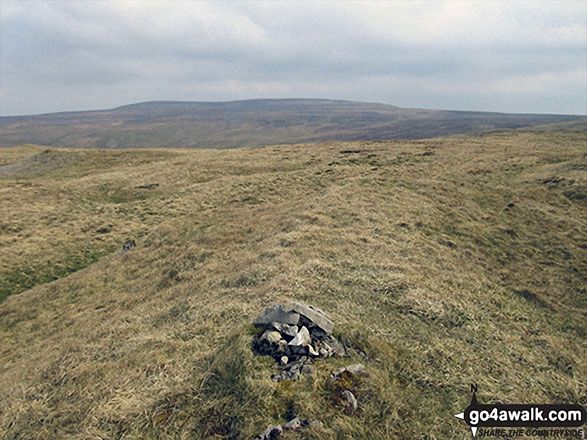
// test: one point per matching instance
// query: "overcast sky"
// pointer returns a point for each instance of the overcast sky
(510, 56)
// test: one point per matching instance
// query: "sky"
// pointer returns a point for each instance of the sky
(507, 56)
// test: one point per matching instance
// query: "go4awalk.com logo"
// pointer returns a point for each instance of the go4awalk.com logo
(527, 418)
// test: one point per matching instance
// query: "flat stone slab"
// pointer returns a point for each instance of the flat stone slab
(276, 313)
(316, 316)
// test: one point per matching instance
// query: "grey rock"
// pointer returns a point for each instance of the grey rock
(333, 347)
(274, 431)
(316, 423)
(284, 360)
(351, 399)
(294, 370)
(286, 375)
(285, 329)
(302, 339)
(271, 336)
(128, 245)
(362, 354)
(316, 316)
(271, 433)
(276, 313)
(296, 423)
(313, 351)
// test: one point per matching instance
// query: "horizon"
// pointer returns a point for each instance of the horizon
(164, 101)
(508, 57)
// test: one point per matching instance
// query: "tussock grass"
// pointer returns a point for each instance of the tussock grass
(448, 261)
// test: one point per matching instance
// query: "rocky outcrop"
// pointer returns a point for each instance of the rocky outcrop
(294, 334)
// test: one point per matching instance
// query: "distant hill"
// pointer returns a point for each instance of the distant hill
(251, 123)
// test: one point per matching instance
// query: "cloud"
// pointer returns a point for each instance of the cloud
(503, 56)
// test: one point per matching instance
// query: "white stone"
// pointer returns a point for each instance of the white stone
(302, 339)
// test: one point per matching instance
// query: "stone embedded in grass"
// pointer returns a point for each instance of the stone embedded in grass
(127, 246)
(296, 423)
(273, 432)
(351, 399)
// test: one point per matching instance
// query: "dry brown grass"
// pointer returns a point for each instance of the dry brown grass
(450, 261)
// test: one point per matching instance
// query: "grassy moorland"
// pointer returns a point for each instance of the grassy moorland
(448, 261)
(251, 123)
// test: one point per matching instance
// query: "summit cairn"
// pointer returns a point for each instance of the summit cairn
(294, 334)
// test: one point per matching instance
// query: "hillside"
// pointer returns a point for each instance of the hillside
(250, 123)
(448, 261)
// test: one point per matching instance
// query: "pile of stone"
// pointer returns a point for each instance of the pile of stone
(295, 334)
